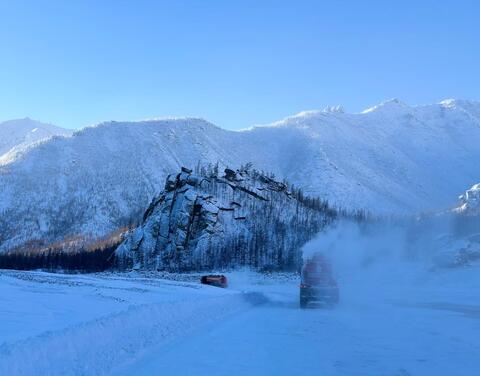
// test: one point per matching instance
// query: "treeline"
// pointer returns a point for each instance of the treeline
(81, 261)
(74, 254)
(260, 234)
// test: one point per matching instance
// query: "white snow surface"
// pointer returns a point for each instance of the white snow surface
(394, 321)
(22, 132)
(87, 324)
(392, 158)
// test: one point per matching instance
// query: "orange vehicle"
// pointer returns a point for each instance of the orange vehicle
(217, 280)
(317, 283)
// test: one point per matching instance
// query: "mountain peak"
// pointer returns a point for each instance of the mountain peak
(21, 132)
(391, 104)
(338, 109)
(462, 103)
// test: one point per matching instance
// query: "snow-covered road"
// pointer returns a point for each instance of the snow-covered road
(396, 336)
(123, 325)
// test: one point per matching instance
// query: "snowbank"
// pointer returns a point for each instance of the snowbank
(96, 347)
(53, 324)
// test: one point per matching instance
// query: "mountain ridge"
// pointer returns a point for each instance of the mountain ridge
(104, 176)
(18, 133)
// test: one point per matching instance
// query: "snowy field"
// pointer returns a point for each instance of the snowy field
(421, 323)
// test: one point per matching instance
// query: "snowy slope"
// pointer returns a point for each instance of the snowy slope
(100, 178)
(21, 132)
(390, 158)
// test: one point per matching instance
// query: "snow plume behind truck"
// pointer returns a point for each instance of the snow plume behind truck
(390, 258)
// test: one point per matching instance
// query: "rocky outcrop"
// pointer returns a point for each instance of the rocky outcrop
(460, 243)
(470, 201)
(172, 223)
(202, 220)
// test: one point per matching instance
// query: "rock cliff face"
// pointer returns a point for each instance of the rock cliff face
(470, 201)
(203, 220)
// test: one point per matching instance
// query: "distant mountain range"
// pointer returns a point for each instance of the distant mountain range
(392, 158)
(22, 132)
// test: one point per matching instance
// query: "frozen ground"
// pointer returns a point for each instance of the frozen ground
(418, 323)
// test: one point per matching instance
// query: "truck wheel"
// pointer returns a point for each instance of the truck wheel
(303, 303)
(336, 298)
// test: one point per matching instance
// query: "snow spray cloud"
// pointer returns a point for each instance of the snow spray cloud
(365, 244)
(367, 257)
(352, 246)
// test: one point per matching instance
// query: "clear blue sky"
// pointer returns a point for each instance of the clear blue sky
(235, 63)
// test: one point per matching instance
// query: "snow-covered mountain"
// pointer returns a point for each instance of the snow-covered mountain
(100, 178)
(21, 132)
(390, 158)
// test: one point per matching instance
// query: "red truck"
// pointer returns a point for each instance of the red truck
(317, 284)
(217, 280)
